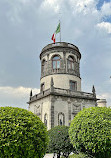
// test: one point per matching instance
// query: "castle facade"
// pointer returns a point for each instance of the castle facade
(60, 97)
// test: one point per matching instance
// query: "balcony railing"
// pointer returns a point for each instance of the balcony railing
(62, 92)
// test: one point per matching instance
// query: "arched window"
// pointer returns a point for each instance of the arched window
(43, 65)
(45, 119)
(61, 119)
(70, 63)
(56, 62)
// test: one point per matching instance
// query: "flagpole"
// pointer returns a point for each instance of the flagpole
(60, 30)
(55, 37)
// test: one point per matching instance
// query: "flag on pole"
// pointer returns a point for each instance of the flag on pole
(58, 28)
(57, 31)
(53, 37)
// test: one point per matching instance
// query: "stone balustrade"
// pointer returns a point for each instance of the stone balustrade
(62, 92)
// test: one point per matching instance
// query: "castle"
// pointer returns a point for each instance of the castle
(60, 97)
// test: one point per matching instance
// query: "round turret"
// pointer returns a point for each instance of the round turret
(61, 61)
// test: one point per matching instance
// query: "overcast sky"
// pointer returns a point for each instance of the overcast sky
(26, 26)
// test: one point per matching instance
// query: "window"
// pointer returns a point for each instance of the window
(70, 63)
(73, 85)
(45, 119)
(43, 65)
(56, 62)
(42, 87)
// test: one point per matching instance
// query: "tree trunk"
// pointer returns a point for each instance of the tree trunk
(58, 155)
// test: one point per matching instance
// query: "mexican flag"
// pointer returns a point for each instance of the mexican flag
(57, 31)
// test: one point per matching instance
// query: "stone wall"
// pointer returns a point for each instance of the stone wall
(61, 81)
(40, 108)
(60, 101)
(64, 50)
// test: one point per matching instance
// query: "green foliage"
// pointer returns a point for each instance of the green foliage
(22, 134)
(80, 155)
(90, 131)
(59, 140)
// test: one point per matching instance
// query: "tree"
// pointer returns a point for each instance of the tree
(22, 134)
(59, 141)
(90, 131)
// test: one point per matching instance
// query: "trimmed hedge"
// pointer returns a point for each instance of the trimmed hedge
(59, 141)
(90, 131)
(22, 134)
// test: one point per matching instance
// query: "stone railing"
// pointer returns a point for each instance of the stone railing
(59, 71)
(73, 93)
(60, 44)
(62, 92)
(40, 95)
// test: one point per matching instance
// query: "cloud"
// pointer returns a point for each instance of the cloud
(105, 26)
(106, 9)
(27, 26)
(83, 6)
(11, 96)
(104, 96)
(17, 9)
(52, 5)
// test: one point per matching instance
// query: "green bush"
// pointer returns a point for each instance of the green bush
(80, 155)
(22, 134)
(59, 141)
(90, 131)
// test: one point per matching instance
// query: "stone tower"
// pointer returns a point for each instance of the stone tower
(60, 97)
(60, 61)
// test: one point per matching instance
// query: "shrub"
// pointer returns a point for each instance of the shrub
(90, 131)
(80, 155)
(59, 141)
(22, 134)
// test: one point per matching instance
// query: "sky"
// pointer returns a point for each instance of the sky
(26, 26)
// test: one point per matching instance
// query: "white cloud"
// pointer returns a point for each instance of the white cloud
(104, 96)
(19, 91)
(18, 8)
(11, 96)
(106, 9)
(52, 4)
(105, 26)
(25, 2)
(83, 6)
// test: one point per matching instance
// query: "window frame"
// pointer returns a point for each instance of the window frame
(56, 62)
(43, 65)
(42, 87)
(73, 85)
(70, 61)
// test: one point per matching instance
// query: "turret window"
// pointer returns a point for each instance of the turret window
(73, 85)
(56, 62)
(70, 63)
(43, 65)
(42, 87)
